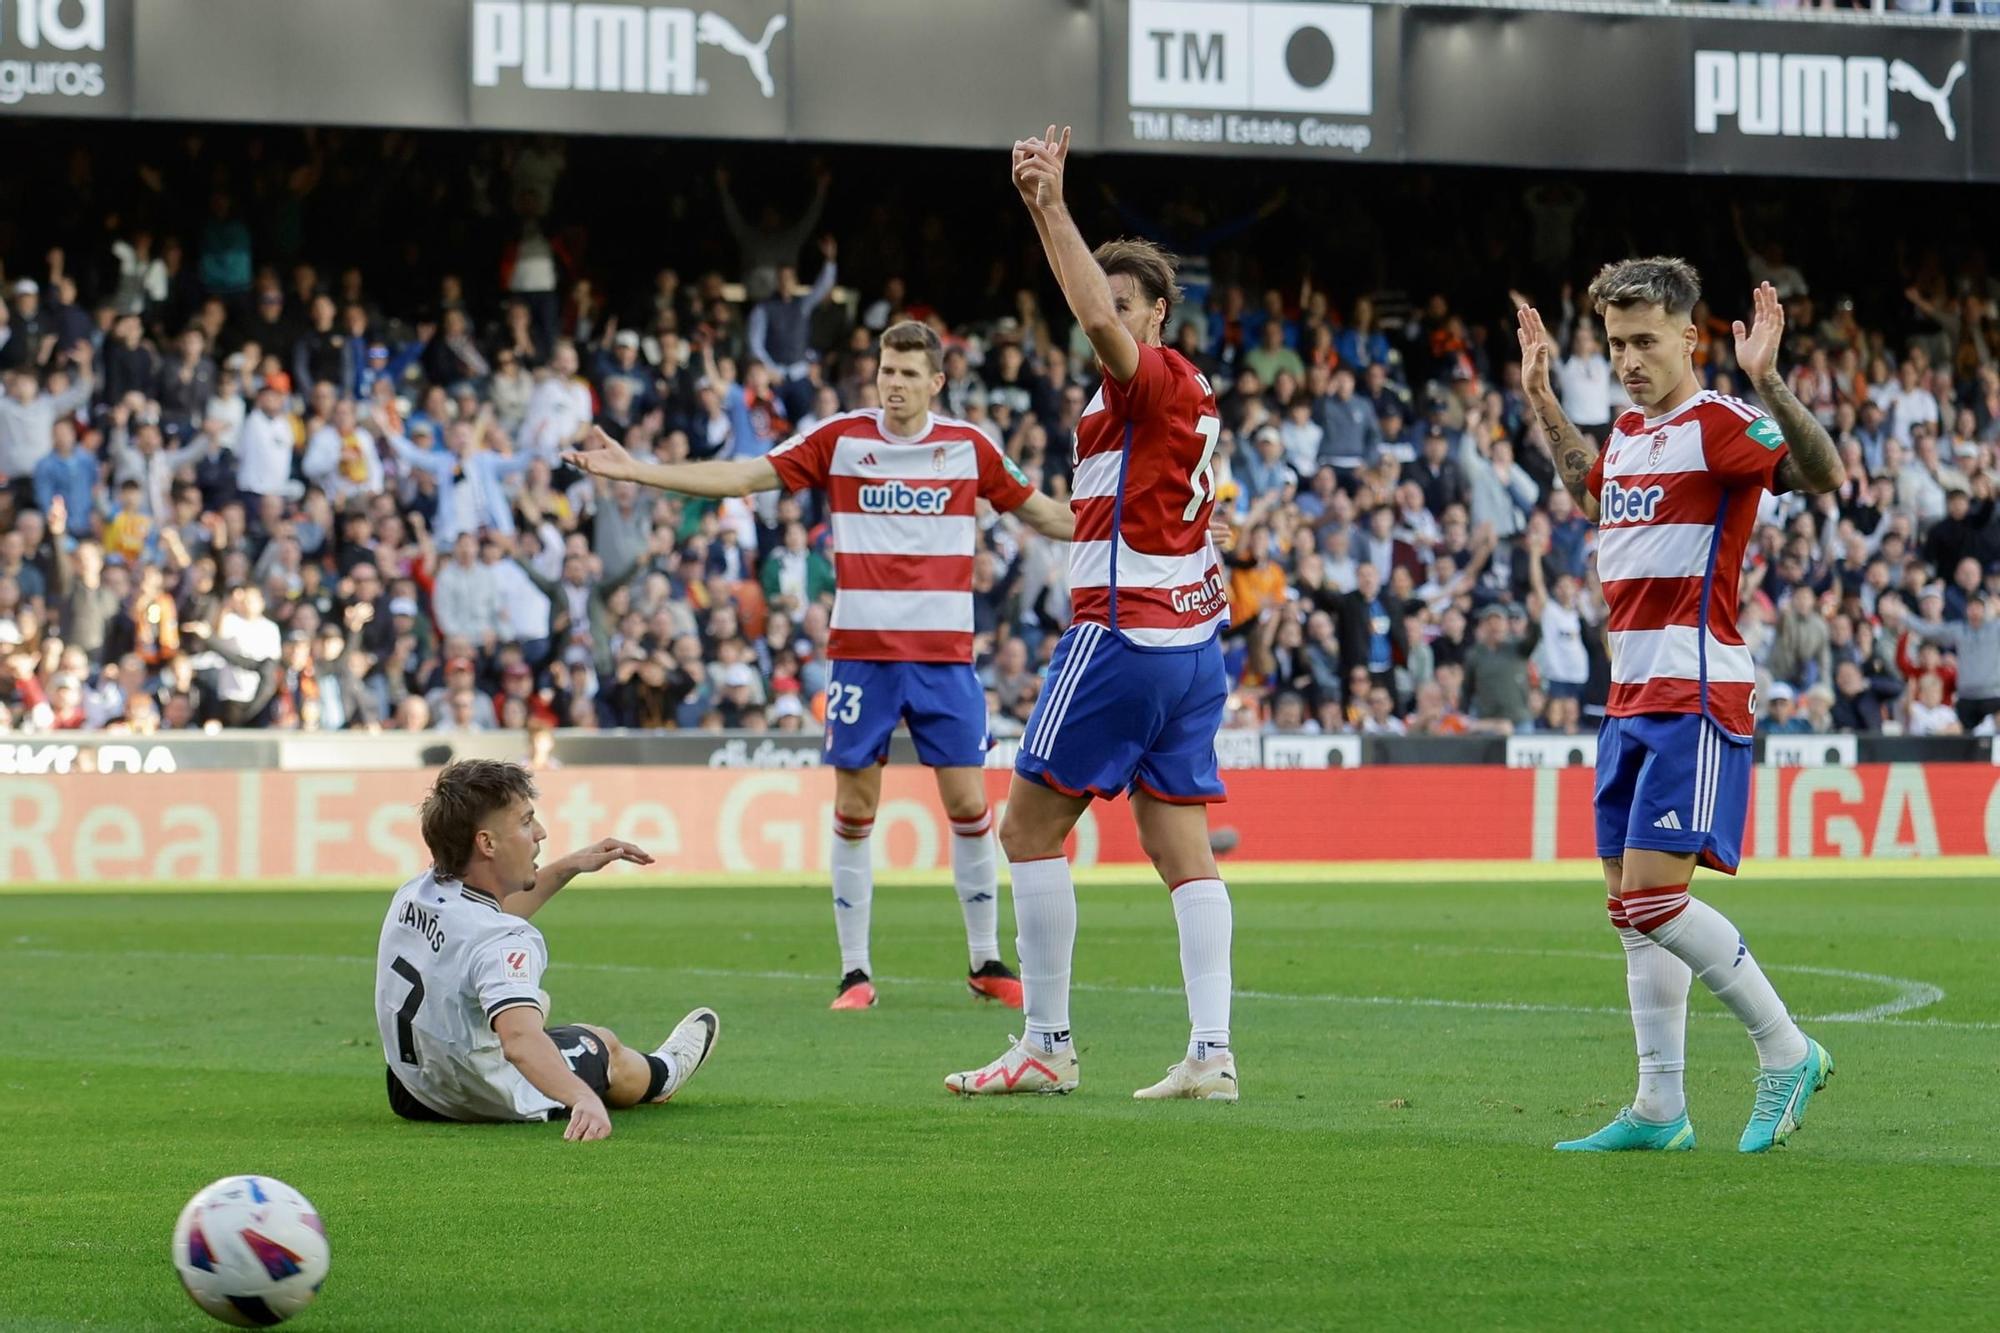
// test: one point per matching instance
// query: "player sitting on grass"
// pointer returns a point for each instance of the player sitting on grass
(1675, 494)
(458, 973)
(903, 486)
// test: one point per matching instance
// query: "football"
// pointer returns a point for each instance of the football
(251, 1251)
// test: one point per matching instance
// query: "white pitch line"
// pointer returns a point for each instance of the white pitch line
(1909, 994)
(1876, 1016)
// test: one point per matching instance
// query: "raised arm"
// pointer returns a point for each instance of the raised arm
(1048, 516)
(1573, 455)
(430, 460)
(602, 456)
(1038, 175)
(551, 878)
(1812, 464)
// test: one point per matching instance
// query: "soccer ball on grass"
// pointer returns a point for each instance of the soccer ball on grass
(250, 1250)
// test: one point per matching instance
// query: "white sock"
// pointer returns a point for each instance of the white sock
(1702, 938)
(1657, 984)
(853, 891)
(1201, 910)
(975, 874)
(1045, 921)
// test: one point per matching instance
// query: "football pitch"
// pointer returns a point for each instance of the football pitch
(1408, 1052)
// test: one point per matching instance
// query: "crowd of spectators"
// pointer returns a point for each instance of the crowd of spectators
(244, 493)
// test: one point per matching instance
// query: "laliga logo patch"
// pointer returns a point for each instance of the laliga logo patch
(1631, 504)
(517, 965)
(898, 497)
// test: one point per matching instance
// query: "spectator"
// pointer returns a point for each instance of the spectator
(770, 243)
(244, 646)
(1500, 495)
(1586, 385)
(1351, 435)
(471, 478)
(1977, 644)
(267, 446)
(780, 329)
(559, 411)
(1802, 654)
(1496, 667)
(341, 458)
(185, 387)
(1781, 715)
(1930, 715)
(466, 601)
(795, 576)
(68, 472)
(1371, 634)
(27, 422)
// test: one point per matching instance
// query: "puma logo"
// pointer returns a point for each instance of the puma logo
(1904, 78)
(711, 29)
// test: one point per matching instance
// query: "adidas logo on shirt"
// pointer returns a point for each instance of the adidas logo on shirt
(1670, 820)
(868, 460)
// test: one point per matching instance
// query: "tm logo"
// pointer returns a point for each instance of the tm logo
(1631, 504)
(899, 497)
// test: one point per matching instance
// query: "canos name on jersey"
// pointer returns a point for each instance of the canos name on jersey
(1631, 504)
(899, 497)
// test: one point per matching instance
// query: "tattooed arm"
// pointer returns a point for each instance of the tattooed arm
(1812, 464)
(1573, 453)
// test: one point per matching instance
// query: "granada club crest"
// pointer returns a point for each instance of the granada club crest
(937, 459)
(1659, 449)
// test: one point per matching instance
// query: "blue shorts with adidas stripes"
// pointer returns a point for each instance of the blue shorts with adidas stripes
(1672, 782)
(1114, 719)
(943, 703)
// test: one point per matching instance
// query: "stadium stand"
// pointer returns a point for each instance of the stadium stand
(265, 466)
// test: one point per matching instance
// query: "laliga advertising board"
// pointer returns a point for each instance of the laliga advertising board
(138, 828)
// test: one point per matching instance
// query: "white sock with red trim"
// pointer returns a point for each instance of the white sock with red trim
(975, 874)
(1045, 922)
(1657, 984)
(853, 891)
(1704, 939)
(1202, 911)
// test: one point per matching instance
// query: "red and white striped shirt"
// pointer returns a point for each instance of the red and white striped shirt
(1142, 564)
(1678, 498)
(905, 529)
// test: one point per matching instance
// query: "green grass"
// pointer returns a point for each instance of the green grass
(1387, 1168)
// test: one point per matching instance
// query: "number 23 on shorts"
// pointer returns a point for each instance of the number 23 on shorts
(843, 703)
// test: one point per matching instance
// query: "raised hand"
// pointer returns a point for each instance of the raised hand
(1039, 165)
(601, 456)
(601, 854)
(1757, 346)
(1536, 353)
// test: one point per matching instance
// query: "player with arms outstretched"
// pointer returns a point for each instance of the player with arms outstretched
(1675, 493)
(1136, 687)
(458, 973)
(903, 486)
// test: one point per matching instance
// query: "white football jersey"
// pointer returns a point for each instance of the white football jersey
(450, 961)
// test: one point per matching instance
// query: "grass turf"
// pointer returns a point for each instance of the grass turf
(1408, 1053)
